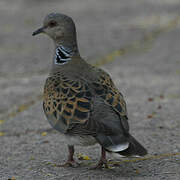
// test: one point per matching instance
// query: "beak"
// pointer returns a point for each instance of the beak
(40, 30)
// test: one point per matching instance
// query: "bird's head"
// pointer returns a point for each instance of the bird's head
(59, 27)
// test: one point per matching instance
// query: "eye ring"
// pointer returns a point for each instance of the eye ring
(52, 24)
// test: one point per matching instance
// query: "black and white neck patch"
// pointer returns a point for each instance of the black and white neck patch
(62, 55)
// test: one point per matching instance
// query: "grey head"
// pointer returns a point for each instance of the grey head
(61, 29)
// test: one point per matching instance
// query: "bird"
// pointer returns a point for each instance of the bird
(81, 101)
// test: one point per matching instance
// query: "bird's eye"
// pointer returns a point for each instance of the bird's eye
(52, 24)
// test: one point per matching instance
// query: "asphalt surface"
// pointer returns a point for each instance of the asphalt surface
(137, 42)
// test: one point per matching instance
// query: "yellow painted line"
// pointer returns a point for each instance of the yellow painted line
(146, 158)
(20, 108)
(139, 45)
(131, 160)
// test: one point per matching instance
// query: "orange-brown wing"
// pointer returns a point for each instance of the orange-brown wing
(66, 102)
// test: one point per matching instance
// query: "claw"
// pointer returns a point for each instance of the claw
(70, 162)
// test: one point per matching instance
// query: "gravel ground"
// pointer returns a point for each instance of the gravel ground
(137, 42)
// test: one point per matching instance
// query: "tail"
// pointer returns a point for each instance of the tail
(134, 149)
(125, 145)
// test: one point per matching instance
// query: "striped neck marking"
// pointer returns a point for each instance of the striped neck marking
(62, 55)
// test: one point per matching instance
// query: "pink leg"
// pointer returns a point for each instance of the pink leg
(102, 160)
(70, 162)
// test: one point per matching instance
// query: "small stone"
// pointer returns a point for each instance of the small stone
(161, 96)
(83, 157)
(2, 133)
(150, 99)
(44, 133)
(1, 122)
(150, 116)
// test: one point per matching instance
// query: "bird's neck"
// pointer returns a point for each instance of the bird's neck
(64, 53)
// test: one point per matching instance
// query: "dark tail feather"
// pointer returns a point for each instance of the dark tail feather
(134, 149)
(121, 144)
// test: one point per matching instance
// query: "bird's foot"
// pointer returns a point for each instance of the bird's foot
(69, 164)
(102, 163)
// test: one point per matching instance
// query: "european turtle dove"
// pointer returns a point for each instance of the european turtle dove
(80, 100)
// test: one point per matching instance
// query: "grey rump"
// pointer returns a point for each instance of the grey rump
(80, 100)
